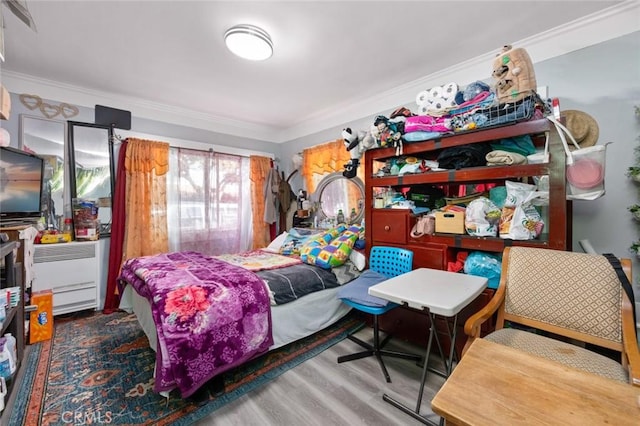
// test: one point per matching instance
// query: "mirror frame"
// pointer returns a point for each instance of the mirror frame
(327, 180)
(105, 229)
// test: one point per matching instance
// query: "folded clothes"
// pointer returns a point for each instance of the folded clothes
(504, 158)
(520, 144)
(481, 100)
(358, 289)
(425, 123)
(420, 136)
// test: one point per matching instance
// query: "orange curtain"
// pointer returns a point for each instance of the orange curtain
(146, 164)
(321, 160)
(260, 167)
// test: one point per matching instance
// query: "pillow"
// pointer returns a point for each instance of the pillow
(275, 245)
(320, 240)
(358, 259)
(327, 236)
(295, 239)
(358, 289)
(332, 248)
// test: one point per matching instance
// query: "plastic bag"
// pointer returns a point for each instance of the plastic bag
(485, 265)
(481, 218)
(585, 177)
(520, 220)
(425, 225)
(585, 166)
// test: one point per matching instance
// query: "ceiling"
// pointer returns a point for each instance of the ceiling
(169, 56)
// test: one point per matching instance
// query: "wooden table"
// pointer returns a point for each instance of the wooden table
(498, 385)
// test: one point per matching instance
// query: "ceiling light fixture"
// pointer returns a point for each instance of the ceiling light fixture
(249, 42)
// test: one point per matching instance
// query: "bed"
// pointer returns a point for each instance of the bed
(279, 310)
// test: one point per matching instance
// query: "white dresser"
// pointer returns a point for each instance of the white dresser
(73, 271)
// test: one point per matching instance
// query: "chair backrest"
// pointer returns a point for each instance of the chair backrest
(390, 261)
(576, 295)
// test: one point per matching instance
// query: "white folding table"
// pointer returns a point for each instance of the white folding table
(439, 292)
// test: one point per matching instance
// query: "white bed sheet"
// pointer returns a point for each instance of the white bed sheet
(290, 322)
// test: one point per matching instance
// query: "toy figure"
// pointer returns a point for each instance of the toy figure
(387, 134)
(382, 133)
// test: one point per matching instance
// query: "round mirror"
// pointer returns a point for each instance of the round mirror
(336, 192)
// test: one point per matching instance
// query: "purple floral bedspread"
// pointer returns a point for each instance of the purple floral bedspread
(210, 315)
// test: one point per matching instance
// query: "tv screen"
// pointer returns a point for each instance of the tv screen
(20, 184)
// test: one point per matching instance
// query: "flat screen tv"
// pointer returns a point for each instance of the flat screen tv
(21, 176)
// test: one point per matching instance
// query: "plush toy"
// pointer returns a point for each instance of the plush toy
(382, 133)
(387, 134)
(514, 74)
(356, 145)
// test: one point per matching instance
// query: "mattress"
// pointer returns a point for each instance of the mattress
(290, 322)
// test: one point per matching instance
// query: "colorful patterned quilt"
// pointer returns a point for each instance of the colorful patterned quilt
(211, 316)
(259, 260)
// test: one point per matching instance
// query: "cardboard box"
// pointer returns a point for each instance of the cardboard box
(450, 222)
(41, 320)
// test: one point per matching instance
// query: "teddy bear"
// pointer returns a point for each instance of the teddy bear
(514, 75)
(356, 144)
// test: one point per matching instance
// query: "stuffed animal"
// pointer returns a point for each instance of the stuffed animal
(382, 133)
(356, 145)
(514, 74)
(387, 134)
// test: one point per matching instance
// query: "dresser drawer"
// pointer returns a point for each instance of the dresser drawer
(430, 255)
(389, 226)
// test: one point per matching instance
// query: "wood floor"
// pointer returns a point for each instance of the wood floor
(322, 392)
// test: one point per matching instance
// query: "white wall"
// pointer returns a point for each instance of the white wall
(604, 81)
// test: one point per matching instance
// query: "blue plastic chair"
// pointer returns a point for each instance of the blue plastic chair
(390, 262)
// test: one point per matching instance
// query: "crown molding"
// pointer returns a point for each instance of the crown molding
(610, 23)
(604, 25)
(140, 108)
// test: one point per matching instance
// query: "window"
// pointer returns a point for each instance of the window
(208, 207)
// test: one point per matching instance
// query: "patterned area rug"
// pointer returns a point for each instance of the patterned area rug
(98, 369)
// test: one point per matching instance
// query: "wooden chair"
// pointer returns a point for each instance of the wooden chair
(568, 295)
(388, 262)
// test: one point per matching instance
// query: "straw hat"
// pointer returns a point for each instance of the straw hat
(583, 127)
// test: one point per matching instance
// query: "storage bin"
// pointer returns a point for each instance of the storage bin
(450, 222)
(585, 177)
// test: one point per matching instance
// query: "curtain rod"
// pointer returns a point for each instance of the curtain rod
(275, 159)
